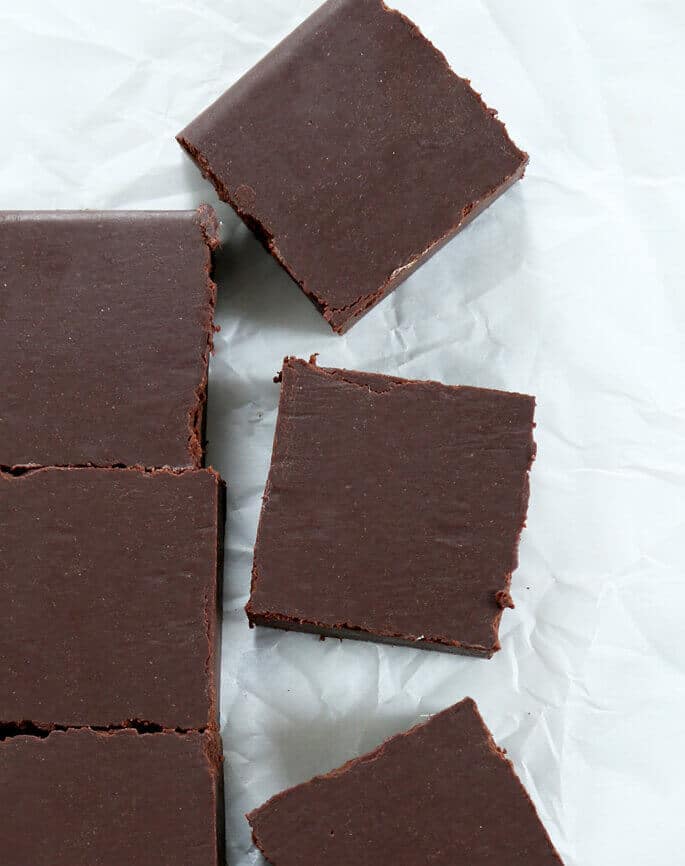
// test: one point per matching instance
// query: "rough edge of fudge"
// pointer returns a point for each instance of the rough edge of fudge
(211, 746)
(197, 416)
(341, 319)
(212, 617)
(214, 623)
(214, 752)
(214, 610)
(468, 704)
(348, 632)
(382, 383)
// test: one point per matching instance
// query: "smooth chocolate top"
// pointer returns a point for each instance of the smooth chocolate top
(105, 332)
(441, 794)
(109, 580)
(354, 150)
(82, 798)
(393, 507)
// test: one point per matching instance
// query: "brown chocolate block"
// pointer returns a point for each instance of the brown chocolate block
(120, 798)
(354, 152)
(106, 323)
(442, 793)
(110, 585)
(393, 509)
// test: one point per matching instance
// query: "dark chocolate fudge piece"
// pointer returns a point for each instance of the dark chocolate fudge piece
(442, 793)
(393, 509)
(354, 152)
(110, 580)
(106, 323)
(121, 798)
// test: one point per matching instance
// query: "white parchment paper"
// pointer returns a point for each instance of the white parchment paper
(570, 288)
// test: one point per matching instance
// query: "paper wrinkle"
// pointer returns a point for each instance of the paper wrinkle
(569, 288)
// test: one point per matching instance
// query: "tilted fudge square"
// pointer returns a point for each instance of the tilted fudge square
(110, 584)
(106, 323)
(82, 797)
(354, 152)
(442, 793)
(393, 509)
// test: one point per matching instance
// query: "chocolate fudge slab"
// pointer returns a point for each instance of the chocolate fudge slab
(354, 152)
(80, 798)
(393, 509)
(106, 324)
(110, 584)
(443, 793)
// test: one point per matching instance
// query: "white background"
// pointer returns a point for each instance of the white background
(570, 288)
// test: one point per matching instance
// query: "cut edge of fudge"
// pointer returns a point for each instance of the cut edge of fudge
(213, 610)
(197, 416)
(341, 319)
(345, 631)
(212, 745)
(466, 705)
(10, 728)
(214, 623)
(381, 383)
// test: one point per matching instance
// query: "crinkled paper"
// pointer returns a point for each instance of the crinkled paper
(570, 288)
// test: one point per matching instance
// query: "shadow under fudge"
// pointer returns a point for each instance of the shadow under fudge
(260, 296)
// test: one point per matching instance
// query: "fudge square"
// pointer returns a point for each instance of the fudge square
(110, 583)
(81, 797)
(442, 793)
(106, 323)
(354, 152)
(393, 509)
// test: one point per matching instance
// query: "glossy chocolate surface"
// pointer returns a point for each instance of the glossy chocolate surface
(442, 793)
(110, 582)
(354, 152)
(106, 323)
(393, 509)
(85, 798)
